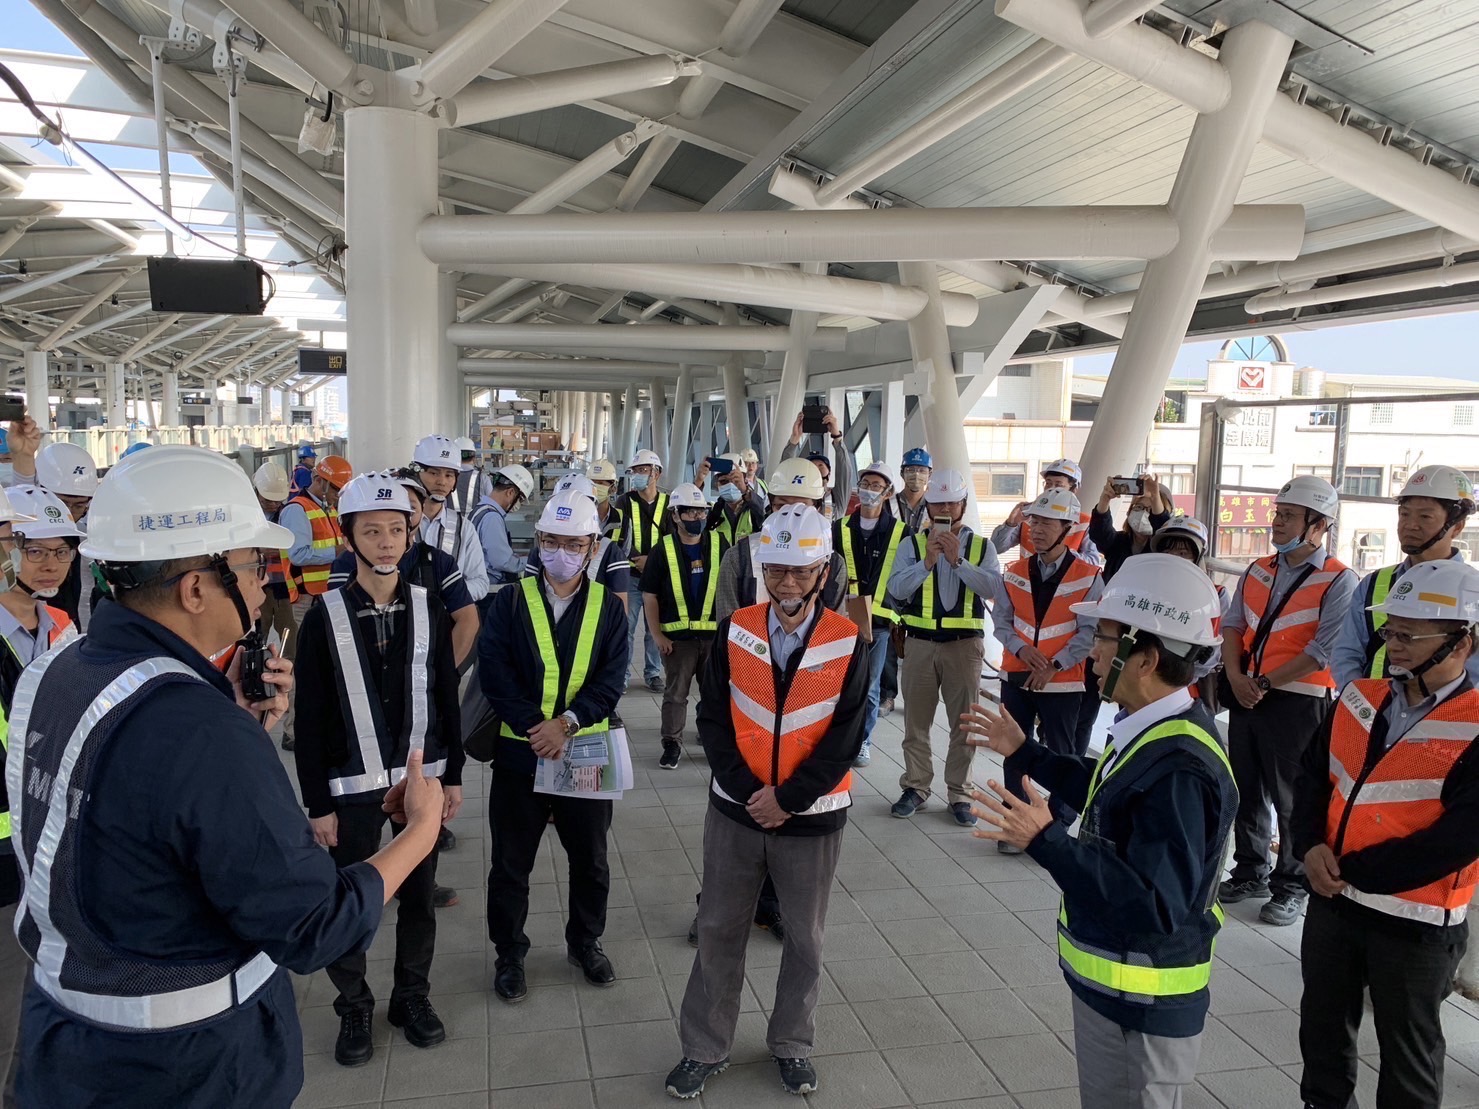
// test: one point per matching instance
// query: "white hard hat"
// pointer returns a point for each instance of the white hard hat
(465, 443)
(380, 491)
(437, 450)
(1181, 527)
(517, 475)
(46, 516)
(569, 513)
(687, 495)
(748, 456)
(271, 481)
(576, 483)
(795, 535)
(1441, 483)
(8, 511)
(1444, 590)
(945, 487)
(177, 502)
(646, 458)
(602, 469)
(1163, 594)
(66, 468)
(1310, 492)
(883, 470)
(1067, 467)
(1055, 504)
(796, 477)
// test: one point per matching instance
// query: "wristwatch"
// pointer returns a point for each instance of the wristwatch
(571, 722)
(1263, 683)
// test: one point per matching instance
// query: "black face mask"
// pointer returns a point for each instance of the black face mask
(693, 527)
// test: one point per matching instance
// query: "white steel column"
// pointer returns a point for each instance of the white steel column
(169, 400)
(598, 428)
(284, 402)
(657, 415)
(791, 391)
(38, 393)
(939, 401)
(1213, 166)
(736, 403)
(630, 417)
(616, 429)
(676, 463)
(890, 447)
(450, 390)
(395, 322)
(115, 397)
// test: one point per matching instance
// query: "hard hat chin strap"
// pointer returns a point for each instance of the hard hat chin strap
(1441, 654)
(232, 584)
(1117, 665)
(1455, 515)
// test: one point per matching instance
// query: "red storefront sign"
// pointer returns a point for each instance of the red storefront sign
(1245, 510)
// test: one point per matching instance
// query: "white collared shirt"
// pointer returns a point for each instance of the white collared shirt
(1129, 725)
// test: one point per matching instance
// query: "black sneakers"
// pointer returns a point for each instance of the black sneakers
(909, 803)
(1232, 891)
(1282, 909)
(798, 1076)
(687, 1079)
(356, 1045)
(444, 897)
(672, 752)
(418, 1020)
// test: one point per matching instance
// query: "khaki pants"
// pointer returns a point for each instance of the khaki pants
(278, 616)
(681, 667)
(928, 673)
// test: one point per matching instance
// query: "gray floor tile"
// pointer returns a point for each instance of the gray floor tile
(905, 903)
(544, 1008)
(640, 999)
(477, 1100)
(559, 1095)
(854, 941)
(1025, 1063)
(516, 1057)
(989, 1014)
(906, 1022)
(1264, 1088)
(641, 1047)
(326, 1084)
(928, 936)
(952, 972)
(1034, 965)
(985, 931)
(941, 1072)
(861, 1081)
(454, 1067)
(1275, 1035)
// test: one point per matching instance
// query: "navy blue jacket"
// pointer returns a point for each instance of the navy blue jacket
(193, 845)
(512, 673)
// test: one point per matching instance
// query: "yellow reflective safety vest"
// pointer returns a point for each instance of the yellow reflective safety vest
(673, 605)
(877, 589)
(645, 534)
(922, 615)
(1376, 648)
(1157, 968)
(551, 698)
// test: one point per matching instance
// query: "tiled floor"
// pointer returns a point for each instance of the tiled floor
(940, 985)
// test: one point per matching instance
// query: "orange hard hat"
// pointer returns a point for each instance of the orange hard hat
(335, 470)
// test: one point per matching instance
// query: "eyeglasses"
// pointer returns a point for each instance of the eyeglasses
(1407, 639)
(1100, 637)
(573, 546)
(257, 566)
(63, 555)
(798, 574)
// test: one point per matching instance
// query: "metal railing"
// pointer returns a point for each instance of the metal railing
(107, 444)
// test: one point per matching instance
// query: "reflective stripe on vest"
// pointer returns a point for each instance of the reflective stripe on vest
(373, 775)
(544, 636)
(1381, 585)
(1296, 625)
(1074, 540)
(279, 572)
(677, 565)
(880, 587)
(645, 539)
(1400, 794)
(772, 738)
(972, 607)
(145, 1012)
(1133, 975)
(732, 531)
(323, 525)
(1059, 623)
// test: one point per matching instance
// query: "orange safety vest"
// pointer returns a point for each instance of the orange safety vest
(1059, 624)
(772, 739)
(279, 572)
(1399, 794)
(1296, 625)
(1073, 542)
(62, 630)
(326, 536)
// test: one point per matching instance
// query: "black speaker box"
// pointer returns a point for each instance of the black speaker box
(234, 287)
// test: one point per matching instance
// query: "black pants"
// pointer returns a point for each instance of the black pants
(1342, 956)
(518, 817)
(1055, 717)
(888, 688)
(1265, 745)
(360, 829)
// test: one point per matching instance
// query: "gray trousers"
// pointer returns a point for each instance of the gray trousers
(686, 662)
(736, 860)
(929, 673)
(15, 968)
(1120, 1069)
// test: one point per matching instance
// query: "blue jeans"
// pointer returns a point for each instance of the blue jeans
(651, 659)
(877, 655)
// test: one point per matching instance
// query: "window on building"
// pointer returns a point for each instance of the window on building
(1177, 477)
(1313, 471)
(1370, 549)
(1232, 477)
(1000, 479)
(1467, 543)
(1463, 415)
(1361, 481)
(1017, 371)
(1382, 414)
(1323, 416)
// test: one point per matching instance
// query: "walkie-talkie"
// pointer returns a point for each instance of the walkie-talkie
(253, 649)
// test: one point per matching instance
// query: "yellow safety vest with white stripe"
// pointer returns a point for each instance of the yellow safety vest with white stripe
(544, 636)
(1381, 585)
(644, 539)
(880, 587)
(1179, 963)
(919, 611)
(678, 570)
(365, 771)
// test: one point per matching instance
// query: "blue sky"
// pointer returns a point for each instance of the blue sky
(1439, 346)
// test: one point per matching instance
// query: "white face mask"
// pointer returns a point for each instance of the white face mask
(562, 565)
(44, 594)
(792, 605)
(1139, 521)
(385, 571)
(869, 497)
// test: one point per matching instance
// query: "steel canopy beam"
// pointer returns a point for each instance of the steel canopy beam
(1252, 233)
(538, 336)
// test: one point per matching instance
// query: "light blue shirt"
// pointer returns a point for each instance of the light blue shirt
(302, 553)
(1076, 649)
(498, 553)
(910, 571)
(783, 644)
(1006, 536)
(1401, 717)
(1332, 610)
(469, 555)
(1348, 659)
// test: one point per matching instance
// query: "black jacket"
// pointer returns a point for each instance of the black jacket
(1117, 544)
